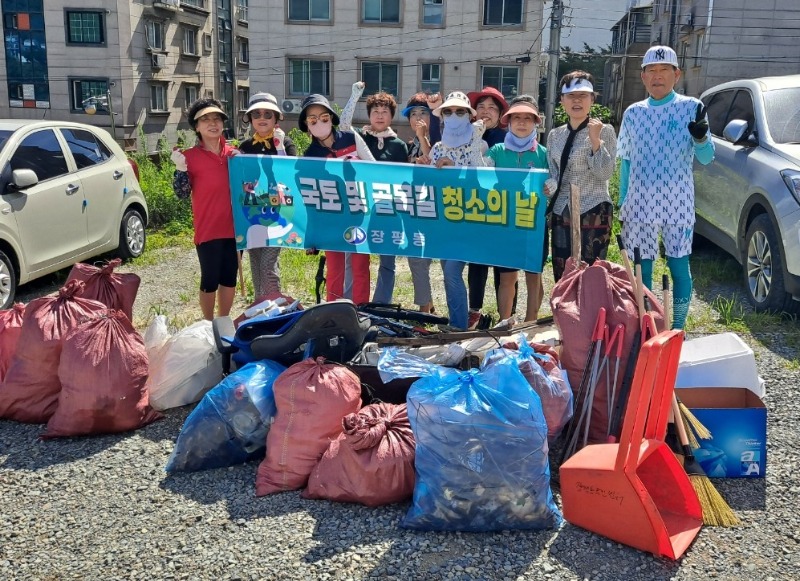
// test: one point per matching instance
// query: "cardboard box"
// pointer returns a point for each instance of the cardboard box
(737, 420)
(719, 360)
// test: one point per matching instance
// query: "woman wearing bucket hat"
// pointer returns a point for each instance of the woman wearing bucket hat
(521, 150)
(490, 106)
(263, 115)
(460, 146)
(319, 120)
(202, 174)
(582, 152)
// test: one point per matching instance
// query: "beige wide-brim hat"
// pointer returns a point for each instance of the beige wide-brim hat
(528, 108)
(264, 101)
(455, 99)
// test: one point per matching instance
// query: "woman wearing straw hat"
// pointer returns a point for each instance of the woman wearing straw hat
(263, 115)
(460, 146)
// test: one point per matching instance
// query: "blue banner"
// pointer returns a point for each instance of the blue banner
(482, 215)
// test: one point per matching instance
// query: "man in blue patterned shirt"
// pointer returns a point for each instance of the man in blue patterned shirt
(658, 140)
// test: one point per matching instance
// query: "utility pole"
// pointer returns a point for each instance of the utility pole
(552, 71)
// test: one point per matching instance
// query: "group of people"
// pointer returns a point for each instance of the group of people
(658, 139)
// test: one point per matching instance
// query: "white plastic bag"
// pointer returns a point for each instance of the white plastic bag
(156, 334)
(185, 367)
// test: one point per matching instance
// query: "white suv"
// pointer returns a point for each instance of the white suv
(748, 199)
(67, 193)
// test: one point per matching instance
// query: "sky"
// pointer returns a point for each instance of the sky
(587, 21)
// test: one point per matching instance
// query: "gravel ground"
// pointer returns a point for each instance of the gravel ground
(103, 508)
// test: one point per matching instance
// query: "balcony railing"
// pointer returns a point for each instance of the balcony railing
(173, 5)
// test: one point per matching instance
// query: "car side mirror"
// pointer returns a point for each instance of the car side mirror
(22, 179)
(737, 132)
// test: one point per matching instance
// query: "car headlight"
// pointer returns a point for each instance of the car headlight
(792, 180)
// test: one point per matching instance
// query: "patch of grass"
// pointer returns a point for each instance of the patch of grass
(730, 310)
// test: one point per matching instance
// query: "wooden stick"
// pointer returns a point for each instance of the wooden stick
(575, 219)
(241, 274)
(639, 284)
(667, 302)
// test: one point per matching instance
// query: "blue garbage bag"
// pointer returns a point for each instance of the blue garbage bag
(546, 378)
(481, 448)
(229, 426)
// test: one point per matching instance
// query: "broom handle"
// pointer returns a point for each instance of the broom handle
(678, 420)
(575, 219)
(667, 303)
(626, 261)
(241, 273)
(637, 262)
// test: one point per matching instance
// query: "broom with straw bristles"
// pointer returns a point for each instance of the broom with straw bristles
(694, 427)
(716, 511)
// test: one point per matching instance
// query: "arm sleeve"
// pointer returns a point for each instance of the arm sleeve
(346, 118)
(435, 129)
(704, 151)
(603, 162)
(181, 185)
(624, 176)
(289, 146)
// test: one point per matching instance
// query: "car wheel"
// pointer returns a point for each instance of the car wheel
(763, 269)
(8, 282)
(132, 236)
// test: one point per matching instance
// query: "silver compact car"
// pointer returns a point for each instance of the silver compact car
(67, 193)
(748, 200)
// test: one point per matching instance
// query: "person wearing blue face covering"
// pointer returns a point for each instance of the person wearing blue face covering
(460, 147)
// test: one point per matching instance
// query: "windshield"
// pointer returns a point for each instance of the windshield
(782, 108)
(4, 135)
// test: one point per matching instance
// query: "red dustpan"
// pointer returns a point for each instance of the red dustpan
(636, 492)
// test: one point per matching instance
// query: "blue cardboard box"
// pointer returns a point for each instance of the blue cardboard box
(737, 420)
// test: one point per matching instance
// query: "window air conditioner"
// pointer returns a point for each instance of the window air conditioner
(291, 106)
(159, 60)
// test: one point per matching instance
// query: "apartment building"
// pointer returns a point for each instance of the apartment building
(723, 40)
(140, 61)
(398, 46)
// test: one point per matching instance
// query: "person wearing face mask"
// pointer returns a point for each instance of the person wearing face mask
(520, 150)
(490, 106)
(582, 152)
(460, 146)
(319, 120)
(263, 115)
(201, 173)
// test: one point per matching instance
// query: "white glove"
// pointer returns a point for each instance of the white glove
(358, 88)
(178, 159)
(550, 185)
(478, 128)
(277, 138)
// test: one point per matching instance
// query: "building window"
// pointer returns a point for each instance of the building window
(380, 11)
(381, 76)
(506, 79)
(243, 95)
(154, 31)
(241, 10)
(83, 89)
(84, 27)
(244, 51)
(189, 40)
(502, 12)
(307, 76)
(305, 10)
(430, 77)
(158, 98)
(698, 49)
(189, 94)
(195, 3)
(433, 12)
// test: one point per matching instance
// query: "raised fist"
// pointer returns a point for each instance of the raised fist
(178, 159)
(358, 87)
(478, 128)
(277, 138)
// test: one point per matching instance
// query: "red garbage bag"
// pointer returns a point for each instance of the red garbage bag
(10, 329)
(103, 372)
(115, 290)
(30, 391)
(575, 301)
(371, 462)
(312, 397)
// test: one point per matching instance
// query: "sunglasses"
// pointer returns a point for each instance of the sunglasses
(312, 119)
(261, 114)
(458, 112)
